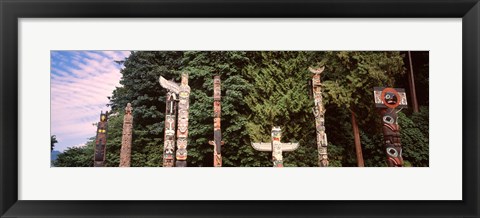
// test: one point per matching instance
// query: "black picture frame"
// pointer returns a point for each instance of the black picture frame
(11, 11)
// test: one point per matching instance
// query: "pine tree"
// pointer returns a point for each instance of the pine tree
(261, 89)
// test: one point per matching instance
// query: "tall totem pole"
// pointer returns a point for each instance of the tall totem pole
(319, 113)
(170, 121)
(101, 141)
(387, 100)
(182, 131)
(276, 147)
(169, 133)
(183, 91)
(217, 132)
(126, 150)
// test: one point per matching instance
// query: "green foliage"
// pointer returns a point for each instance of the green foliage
(350, 77)
(348, 82)
(202, 66)
(53, 141)
(260, 90)
(77, 156)
(414, 132)
(114, 139)
(142, 90)
(279, 97)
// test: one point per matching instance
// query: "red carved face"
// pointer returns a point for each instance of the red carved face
(181, 154)
(181, 143)
(183, 126)
(278, 164)
(276, 134)
(394, 156)
(390, 97)
(216, 123)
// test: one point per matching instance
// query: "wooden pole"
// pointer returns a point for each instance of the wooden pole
(126, 150)
(358, 146)
(276, 147)
(182, 130)
(101, 141)
(391, 137)
(217, 131)
(169, 130)
(411, 82)
(319, 113)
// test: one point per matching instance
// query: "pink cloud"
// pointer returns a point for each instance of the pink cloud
(79, 92)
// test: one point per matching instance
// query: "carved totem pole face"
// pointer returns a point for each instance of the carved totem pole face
(128, 109)
(216, 124)
(216, 87)
(169, 148)
(276, 134)
(126, 149)
(101, 141)
(182, 149)
(170, 122)
(277, 147)
(391, 135)
(184, 81)
(319, 113)
(170, 126)
(388, 100)
(182, 127)
(182, 132)
(217, 134)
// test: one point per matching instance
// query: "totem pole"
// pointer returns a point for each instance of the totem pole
(126, 150)
(388, 100)
(276, 147)
(183, 91)
(182, 131)
(319, 113)
(169, 134)
(170, 121)
(217, 132)
(101, 141)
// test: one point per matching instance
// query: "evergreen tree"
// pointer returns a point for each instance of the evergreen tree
(77, 156)
(202, 66)
(261, 89)
(279, 97)
(142, 89)
(53, 141)
(349, 79)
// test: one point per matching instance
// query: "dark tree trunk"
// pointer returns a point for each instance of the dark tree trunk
(411, 83)
(356, 136)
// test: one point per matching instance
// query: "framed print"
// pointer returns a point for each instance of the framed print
(180, 108)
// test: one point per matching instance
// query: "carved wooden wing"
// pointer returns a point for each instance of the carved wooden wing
(262, 146)
(170, 85)
(317, 70)
(289, 146)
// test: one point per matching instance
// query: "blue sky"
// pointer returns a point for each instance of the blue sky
(81, 81)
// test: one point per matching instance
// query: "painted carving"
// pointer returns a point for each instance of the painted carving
(319, 113)
(170, 121)
(217, 133)
(126, 150)
(388, 100)
(276, 147)
(182, 132)
(183, 92)
(169, 133)
(169, 85)
(101, 141)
